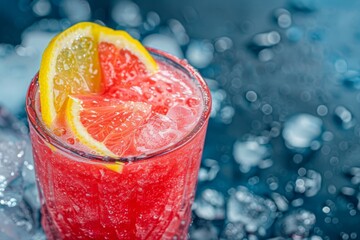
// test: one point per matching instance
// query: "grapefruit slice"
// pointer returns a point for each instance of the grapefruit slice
(122, 58)
(88, 58)
(106, 126)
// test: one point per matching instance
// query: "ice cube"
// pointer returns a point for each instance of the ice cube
(15, 74)
(302, 132)
(209, 170)
(160, 131)
(250, 153)
(182, 116)
(297, 224)
(254, 212)
(9, 230)
(234, 231)
(308, 182)
(11, 182)
(205, 231)
(210, 205)
(19, 202)
(17, 224)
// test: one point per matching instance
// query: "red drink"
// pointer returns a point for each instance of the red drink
(145, 196)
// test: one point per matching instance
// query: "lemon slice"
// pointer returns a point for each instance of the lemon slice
(69, 65)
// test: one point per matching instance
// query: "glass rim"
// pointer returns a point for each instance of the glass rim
(37, 124)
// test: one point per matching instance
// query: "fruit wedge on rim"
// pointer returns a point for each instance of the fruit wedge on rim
(105, 125)
(78, 66)
(81, 60)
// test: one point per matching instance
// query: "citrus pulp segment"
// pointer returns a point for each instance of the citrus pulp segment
(106, 126)
(122, 58)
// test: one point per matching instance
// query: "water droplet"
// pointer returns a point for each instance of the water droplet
(281, 202)
(222, 44)
(297, 202)
(354, 174)
(71, 141)
(267, 109)
(322, 110)
(59, 131)
(266, 55)
(127, 14)
(305, 96)
(76, 10)
(179, 32)
(42, 8)
(308, 183)
(301, 131)
(251, 96)
(341, 66)
(250, 153)
(282, 17)
(326, 210)
(344, 117)
(344, 236)
(347, 191)
(327, 136)
(200, 53)
(218, 97)
(294, 34)
(298, 158)
(226, 114)
(267, 39)
(152, 19)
